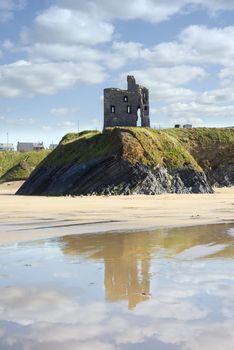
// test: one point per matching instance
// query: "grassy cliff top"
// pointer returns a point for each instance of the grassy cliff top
(176, 148)
(200, 148)
(19, 165)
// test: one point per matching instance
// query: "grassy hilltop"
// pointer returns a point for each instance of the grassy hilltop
(176, 160)
(16, 166)
(200, 147)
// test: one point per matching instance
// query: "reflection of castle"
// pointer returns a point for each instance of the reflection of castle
(127, 276)
(127, 257)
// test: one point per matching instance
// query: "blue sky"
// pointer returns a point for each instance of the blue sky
(56, 56)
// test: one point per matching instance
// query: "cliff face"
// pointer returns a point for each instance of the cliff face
(136, 161)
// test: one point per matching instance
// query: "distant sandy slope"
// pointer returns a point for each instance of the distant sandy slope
(31, 218)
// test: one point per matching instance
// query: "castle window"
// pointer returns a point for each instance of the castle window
(125, 98)
(146, 108)
(129, 109)
(113, 109)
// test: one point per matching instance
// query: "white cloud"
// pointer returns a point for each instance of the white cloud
(226, 76)
(63, 111)
(12, 5)
(215, 5)
(148, 10)
(8, 7)
(66, 125)
(24, 77)
(62, 25)
(131, 50)
(114, 57)
(197, 45)
(92, 124)
(165, 83)
(195, 113)
(17, 121)
(46, 52)
(7, 45)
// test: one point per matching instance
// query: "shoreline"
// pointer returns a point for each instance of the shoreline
(34, 218)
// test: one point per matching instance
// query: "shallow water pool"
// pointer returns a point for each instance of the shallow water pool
(168, 289)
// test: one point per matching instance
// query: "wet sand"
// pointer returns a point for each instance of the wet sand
(32, 218)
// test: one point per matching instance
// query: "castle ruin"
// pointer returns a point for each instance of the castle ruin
(126, 107)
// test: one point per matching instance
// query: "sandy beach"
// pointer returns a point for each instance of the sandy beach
(31, 218)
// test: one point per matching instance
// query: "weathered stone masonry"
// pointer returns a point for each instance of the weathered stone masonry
(124, 107)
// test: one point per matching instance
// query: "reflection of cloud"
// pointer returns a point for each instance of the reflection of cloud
(191, 306)
(46, 306)
(64, 274)
(2, 333)
(54, 318)
(231, 232)
(200, 251)
(175, 309)
(178, 315)
(73, 346)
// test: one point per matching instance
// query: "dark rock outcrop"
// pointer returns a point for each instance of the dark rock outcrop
(222, 176)
(112, 177)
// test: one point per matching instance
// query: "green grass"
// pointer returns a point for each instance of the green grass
(77, 148)
(200, 148)
(160, 148)
(70, 137)
(176, 148)
(19, 165)
(211, 147)
(203, 135)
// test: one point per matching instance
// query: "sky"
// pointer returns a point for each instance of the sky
(57, 56)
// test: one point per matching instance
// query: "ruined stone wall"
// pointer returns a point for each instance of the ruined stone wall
(145, 119)
(121, 106)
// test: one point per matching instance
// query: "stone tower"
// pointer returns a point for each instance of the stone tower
(124, 107)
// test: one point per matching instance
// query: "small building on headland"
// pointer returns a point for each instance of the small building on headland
(6, 147)
(185, 126)
(29, 146)
(126, 107)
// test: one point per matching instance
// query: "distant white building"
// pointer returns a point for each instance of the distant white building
(185, 126)
(6, 147)
(29, 146)
(53, 146)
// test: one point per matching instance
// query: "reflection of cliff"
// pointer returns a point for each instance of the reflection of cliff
(127, 257)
